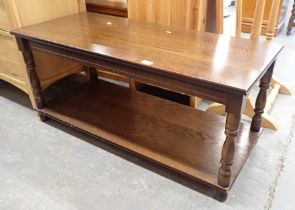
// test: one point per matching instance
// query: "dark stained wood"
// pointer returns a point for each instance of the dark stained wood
(234, 110)
(291, 20)
(140, 73)
(24, 47)
(199, 57)
(92, 74)
(261, 99)
(107, 7)
(31, 70)
(228, 149)
(220, 195)
(179, 137)
(210, 66)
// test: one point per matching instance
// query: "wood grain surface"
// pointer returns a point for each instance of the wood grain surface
(176, 136)
(215, 59)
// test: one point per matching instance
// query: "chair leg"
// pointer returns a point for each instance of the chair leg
(216, 108)
(134, 85)
(272, 97)
(269, 122)
(92, 74)
(283, 88)
(195, 101)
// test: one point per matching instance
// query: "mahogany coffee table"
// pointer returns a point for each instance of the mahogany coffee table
(202, 146)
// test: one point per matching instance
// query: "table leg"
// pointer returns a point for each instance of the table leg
(234, 112)
(33, 77)
(92, 74)
(261, 99)
(291, 21)
(228, 152)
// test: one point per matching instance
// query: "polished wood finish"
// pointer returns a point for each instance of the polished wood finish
(261, 100)
(19, 13)
(207, 14)
(31, 70)
(291, 20)
(92, 74)
(266, 120)
(34, 80)
(127, 40)
(168, 133)
(248, 15)
(183, 14)
(200, 64)
(228, 149)
(109, 7)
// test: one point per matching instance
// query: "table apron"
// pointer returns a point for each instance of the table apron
(140, 73)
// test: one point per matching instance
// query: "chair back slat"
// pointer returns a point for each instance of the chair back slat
(219, 9)
(187, 14)
(258, 18)
(239, 8)
(271, 28)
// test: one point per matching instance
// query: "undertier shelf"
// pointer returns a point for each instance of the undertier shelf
(179, 137)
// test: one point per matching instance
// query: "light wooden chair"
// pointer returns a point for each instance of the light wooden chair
(187, 14)
(177, 13)
(277, 87)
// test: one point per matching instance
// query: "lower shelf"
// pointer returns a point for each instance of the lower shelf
(181, 138)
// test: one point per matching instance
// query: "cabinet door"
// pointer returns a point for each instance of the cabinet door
(35, 11)
(6, 19)
(12, 67)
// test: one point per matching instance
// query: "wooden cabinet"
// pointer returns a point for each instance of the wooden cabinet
(109, 7)
(12, 68)
(19, 13)
(248, 14)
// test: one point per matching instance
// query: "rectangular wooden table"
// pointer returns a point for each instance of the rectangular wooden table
(202, 146)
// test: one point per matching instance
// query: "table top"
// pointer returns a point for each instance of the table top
(214, 59)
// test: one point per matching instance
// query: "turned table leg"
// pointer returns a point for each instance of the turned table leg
(92, 74)
(234, 112)
(261, 99)
(291, 21)
(227, 154)
(32, 75)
